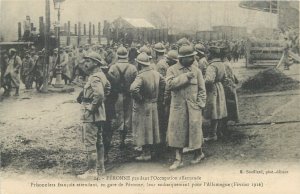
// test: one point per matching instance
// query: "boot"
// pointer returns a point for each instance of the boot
(198, 156)
(100, 161)
(213, 131)
(91, 171)
(145, 156)
(178, 161)
(17, 92)
(123, 134)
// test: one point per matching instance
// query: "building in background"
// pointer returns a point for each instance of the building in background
(127, 30)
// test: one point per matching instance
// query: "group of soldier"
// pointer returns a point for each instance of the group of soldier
(15, 68)
(164, 92)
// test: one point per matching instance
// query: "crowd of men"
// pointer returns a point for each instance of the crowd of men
(164, 90)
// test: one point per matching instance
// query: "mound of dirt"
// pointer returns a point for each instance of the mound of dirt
(269, 80)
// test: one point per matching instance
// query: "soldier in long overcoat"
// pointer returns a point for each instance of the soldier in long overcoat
(161, 67)
(64, 63)
(188, 97)
(12, 74)
(93, 113)
(215, 109)
(145, 89)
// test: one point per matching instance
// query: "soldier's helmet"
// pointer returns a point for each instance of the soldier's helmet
(183, 41)
(122, 52)
(186, 51)
(97, 58)
(200, 48)
(159, 47)
(146, 50)
(173, 55)
(143, 59)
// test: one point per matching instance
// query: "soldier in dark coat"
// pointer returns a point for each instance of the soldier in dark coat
(230, 85)
(26, 70)
(122, 74)
(161, 67)
(286, 48)
(93, 114)
(188, 97)
(145, 89)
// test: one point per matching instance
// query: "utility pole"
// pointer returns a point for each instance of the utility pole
(46, 54)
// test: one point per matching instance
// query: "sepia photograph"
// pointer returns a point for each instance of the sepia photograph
(149, 96)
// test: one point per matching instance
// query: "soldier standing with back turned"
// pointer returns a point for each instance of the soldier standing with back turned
(122, 74)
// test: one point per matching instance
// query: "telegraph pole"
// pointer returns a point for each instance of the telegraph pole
(46, 54)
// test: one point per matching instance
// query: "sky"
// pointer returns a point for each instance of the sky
(183, 16)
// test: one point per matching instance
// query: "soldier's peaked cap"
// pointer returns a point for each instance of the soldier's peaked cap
(122, 52)
(96, 57)
(200, 48)
(183, 41)
(186, 51)
(143, 59)
(173, 55)
(146, 50)
(159, 47)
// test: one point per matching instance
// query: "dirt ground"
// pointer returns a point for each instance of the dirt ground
(40, 133)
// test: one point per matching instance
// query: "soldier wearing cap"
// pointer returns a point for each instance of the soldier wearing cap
(93, 113)
(53, 60)
(145, 89)
(86, 50)
(147, 50)
(111, 57)
(188, 97)
(286, 49)
(215, 109)
(159, 50)
(38, 69)
(71, 63)
(26, 70)
(122, 75)
(64, 64)
(201, 58)
(183, 41)
(161, 67)
(12, 72)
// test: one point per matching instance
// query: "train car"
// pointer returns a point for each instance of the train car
(263, 52)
